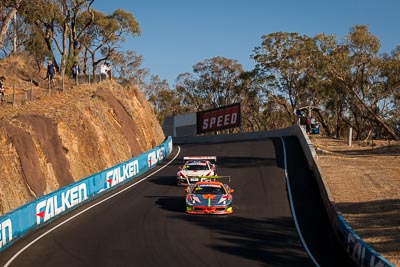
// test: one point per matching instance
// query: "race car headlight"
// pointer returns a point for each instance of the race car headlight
(223, 200)
(191, 199)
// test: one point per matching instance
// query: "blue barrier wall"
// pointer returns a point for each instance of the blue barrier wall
(37, 213)
(361, 253)
(358, 249)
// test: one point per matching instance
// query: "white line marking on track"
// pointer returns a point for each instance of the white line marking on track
(88, 208)
(292, 207)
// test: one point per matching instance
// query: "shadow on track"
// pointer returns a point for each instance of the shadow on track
(263, 240)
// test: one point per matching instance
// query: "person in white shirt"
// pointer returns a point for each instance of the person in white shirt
(104, 71)
(313, 122)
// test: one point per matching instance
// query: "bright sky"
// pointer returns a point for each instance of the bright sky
(177, 34)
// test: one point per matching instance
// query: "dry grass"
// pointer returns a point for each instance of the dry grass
(364, 181)
(24, 80)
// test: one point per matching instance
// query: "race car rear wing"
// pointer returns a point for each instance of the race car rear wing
(214, 178)
(200, 158)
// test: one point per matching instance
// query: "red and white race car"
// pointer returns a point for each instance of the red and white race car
(195, 169)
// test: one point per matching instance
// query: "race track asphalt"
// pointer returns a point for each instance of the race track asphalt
(146, 225)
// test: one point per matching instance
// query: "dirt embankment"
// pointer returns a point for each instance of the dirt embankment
(364, 181)
(63, 137)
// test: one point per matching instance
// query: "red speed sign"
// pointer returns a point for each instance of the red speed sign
(219, 118)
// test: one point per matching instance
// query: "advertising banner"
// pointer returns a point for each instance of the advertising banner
(39, 212)
(219, 118)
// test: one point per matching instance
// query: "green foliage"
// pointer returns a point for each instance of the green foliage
(350, 83)
(216, 82)
(103, 36)
(220, 81)
(127, 23)
(356, 67)
(128, 67)
(37, 47)
(69, 30)
(166, 102)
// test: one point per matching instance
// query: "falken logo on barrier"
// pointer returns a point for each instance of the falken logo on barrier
(358, 252)
(5, 232)
(50, 207)
(154, 157)
(121, 173)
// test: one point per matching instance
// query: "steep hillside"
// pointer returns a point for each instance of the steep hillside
(66, 136)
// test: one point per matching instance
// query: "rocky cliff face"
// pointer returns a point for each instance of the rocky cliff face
(63, 137)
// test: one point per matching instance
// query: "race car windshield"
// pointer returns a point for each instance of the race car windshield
(196, 167)
(205, 189)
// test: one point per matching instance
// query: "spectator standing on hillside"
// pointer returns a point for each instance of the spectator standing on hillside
(76, 70)
(313, 122)
(51, 71)
(104, 71)
(308, 125)
(2, 89)
(109, 69)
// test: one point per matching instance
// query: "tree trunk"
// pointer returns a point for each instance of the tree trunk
(377, 118)
(7, 21)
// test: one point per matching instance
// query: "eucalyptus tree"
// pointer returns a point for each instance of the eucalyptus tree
(186, 88)
(263, 109)
(357, 66)
(253, 104)
(56, 21)
(103, 36)
(153, 89)
(70, 28)
(36, 46)
(128, 67)
(391, 72)
(286, 61)
(219, 81)
(8, 10)
(13, 31)
(78, 24)
(45, 17)
(17, 35)
(214, 83)
(328, 93)
(166, 102)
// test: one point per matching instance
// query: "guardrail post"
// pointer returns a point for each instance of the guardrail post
(14, 95)
(62, 78)
(48, 77)
(350, 136)
(31, 92)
